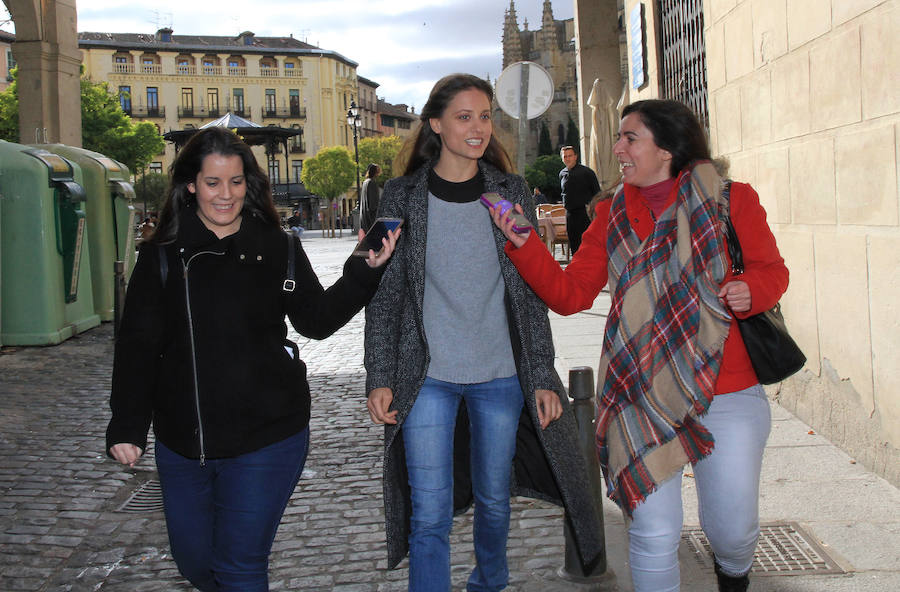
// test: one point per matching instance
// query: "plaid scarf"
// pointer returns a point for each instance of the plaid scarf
(662, 347)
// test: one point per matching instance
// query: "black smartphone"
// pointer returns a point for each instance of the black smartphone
(378, 231)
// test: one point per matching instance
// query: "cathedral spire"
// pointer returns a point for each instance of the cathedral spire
(548, 28)
(512, 43)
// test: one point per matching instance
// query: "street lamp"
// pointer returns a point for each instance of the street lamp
(355, 123)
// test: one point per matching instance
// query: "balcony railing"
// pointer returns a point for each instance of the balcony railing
(297, 148)
(201, 112)
(284, 113)
(148, 112)
(202, 70)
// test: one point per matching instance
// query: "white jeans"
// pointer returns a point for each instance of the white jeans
(727, 491)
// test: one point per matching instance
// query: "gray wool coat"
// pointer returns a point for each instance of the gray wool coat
(547, 464)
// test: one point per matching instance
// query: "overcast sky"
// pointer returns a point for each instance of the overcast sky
(404, 45)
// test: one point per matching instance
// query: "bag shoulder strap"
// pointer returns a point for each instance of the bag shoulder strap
(289, 283)
(734, 245)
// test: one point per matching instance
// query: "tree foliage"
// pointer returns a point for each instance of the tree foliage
(105, 128)
(9, 111)
(544, 174)
(330, 173)
(572, 134)
(381, 151)
(545, 145)
(150, 189)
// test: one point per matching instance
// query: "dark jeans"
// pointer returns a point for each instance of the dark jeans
(576, 223)
(222, 517)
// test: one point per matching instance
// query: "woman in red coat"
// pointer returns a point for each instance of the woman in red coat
(676, 384)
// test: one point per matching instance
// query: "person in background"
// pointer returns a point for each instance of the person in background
(295, 224)
(676, 383)
(459, 357)
(578, 184)
(538, 196)
(202, 354)
(369, 197)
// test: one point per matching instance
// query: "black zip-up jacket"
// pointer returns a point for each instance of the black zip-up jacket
(203, 356)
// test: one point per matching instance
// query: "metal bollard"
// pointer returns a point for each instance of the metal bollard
(119, 297)
(581, 389)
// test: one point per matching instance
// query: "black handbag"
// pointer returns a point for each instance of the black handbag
(773, 353)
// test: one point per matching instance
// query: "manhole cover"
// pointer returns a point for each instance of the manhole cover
(147, 498)
(783, 549)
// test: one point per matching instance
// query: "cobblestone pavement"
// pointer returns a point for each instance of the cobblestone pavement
(60, 524)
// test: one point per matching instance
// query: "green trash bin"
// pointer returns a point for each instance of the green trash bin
(110, 218)
(45, 277)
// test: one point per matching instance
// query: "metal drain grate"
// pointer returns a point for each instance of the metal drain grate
(783, 549)
(147, 498)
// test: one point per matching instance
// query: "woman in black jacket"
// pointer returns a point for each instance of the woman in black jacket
(202, 353)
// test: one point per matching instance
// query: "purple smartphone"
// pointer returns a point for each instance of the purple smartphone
(520, 222)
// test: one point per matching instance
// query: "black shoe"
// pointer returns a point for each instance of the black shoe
(731, 583)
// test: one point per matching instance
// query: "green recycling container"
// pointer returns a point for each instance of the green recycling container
(110, 218)
(45, 277)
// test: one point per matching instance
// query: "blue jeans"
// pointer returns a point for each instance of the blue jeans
(494, 408)
(222, 517)
(727, 494)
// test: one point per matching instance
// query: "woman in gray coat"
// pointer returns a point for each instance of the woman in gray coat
(459, 357)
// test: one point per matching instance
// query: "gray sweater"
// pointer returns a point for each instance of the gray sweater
(465, 318)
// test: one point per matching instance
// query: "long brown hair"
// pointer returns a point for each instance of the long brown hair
(425, 144)
(187, 165)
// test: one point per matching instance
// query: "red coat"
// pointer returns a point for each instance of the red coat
(573, 289)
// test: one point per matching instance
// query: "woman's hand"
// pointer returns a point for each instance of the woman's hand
(387, 249)
(736, 295)
(125, 453)
(506, 225)
(549, 407)
(378, 404)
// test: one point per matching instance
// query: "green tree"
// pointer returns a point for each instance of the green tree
(329, 174)
(9, 111)
(105, 128)
(572, 134)
(544, 174)
(381, 151)
(150, 191)
(545, 145)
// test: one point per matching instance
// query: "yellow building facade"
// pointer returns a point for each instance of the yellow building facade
(803, 98)
(183, 81)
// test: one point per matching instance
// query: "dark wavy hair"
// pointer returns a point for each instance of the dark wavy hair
(187, 165)
(372, 171)
(425, 145)
(675, 128)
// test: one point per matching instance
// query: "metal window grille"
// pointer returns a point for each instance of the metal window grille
(684, 55)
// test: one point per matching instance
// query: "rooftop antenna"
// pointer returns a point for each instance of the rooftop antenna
(161, 21)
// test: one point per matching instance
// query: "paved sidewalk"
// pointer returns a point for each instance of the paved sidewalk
(61, 528)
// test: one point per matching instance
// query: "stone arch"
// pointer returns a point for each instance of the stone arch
(46, 51)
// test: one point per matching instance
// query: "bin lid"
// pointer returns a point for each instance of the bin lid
(60, 169)
(61, 173)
